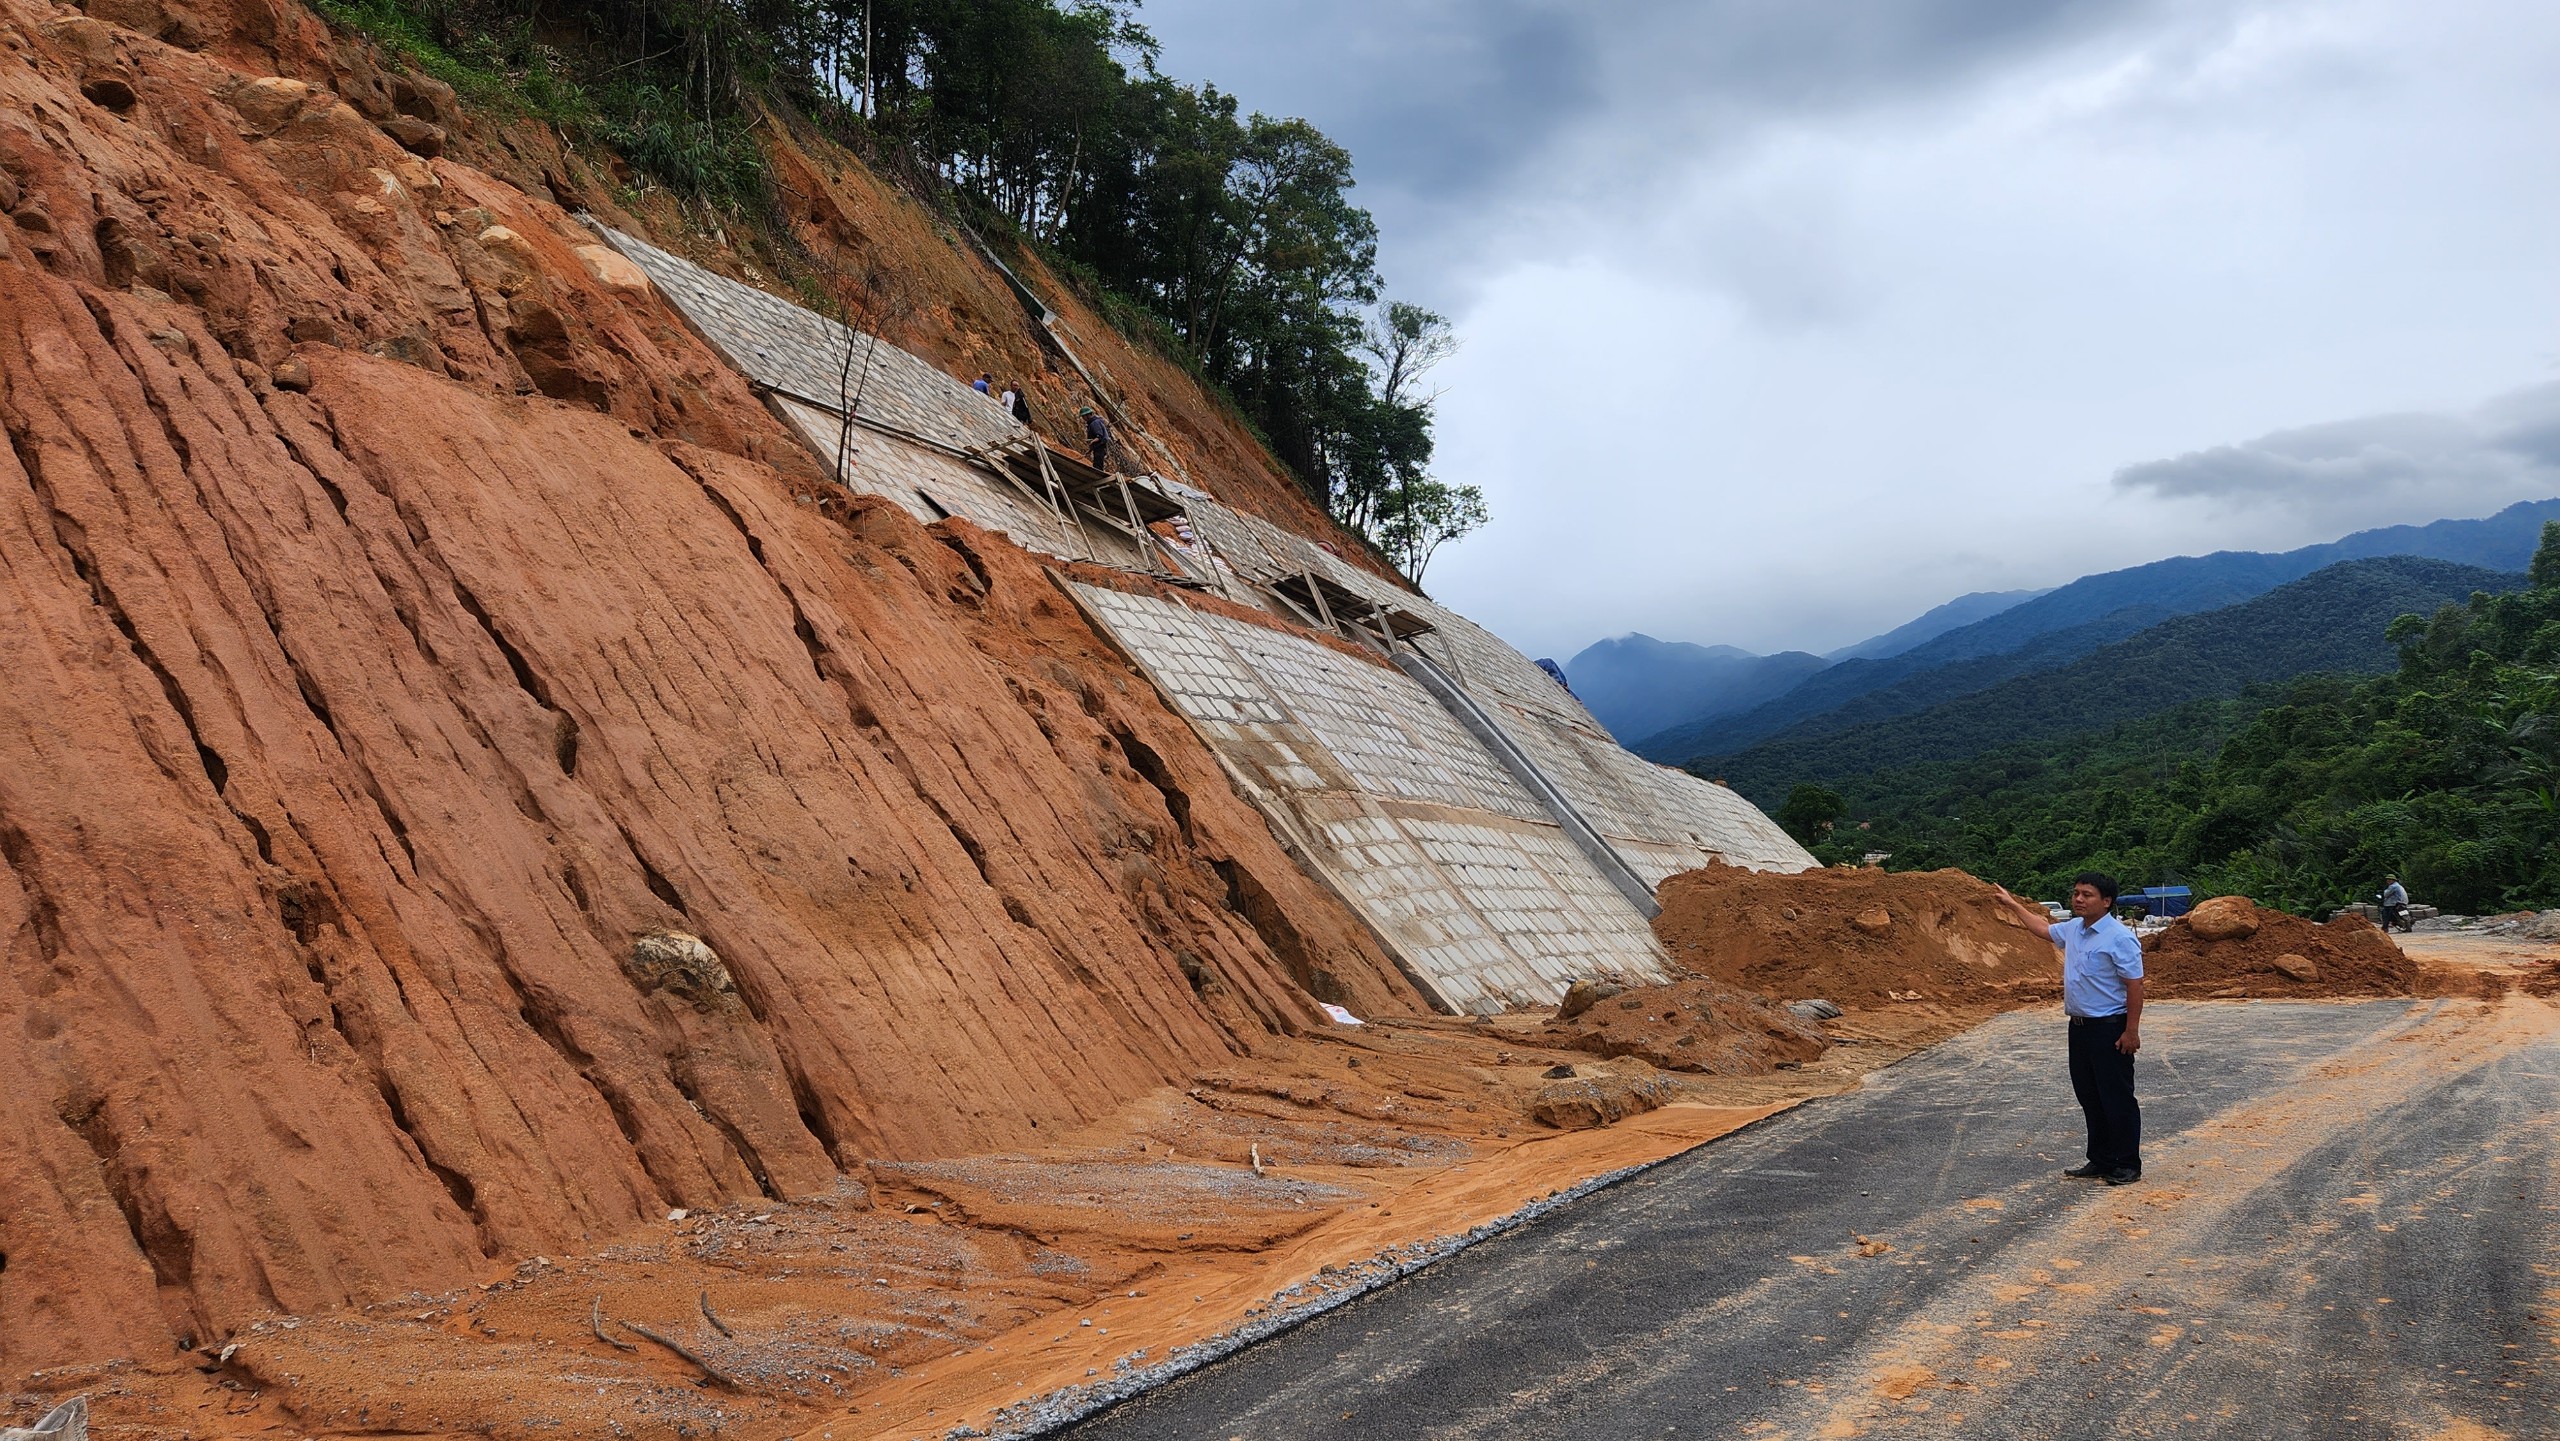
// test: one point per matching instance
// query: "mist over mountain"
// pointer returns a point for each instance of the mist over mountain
(1637, 685)
(1961, 611)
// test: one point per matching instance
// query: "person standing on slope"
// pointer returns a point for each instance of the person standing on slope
(1097, 437)
(2102, 993)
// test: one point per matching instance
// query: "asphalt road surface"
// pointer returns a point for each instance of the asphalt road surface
(2348, 1229)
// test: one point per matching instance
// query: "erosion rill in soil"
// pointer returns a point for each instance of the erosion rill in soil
(406, 613)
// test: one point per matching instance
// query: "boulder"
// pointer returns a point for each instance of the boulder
(143, 17)
(2543, 927)
(2224, 918)
(269, 102)
(612, 270)
(2296, 967)
(1874, 920)
(1816, 1010)
(1588, 1101)
(1581, 995)
(88, 39)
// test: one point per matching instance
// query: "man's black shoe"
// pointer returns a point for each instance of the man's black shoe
(2123, 1178)
(2087, 1171)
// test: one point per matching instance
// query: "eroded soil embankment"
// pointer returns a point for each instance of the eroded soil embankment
(964, 1287)
(406, 613)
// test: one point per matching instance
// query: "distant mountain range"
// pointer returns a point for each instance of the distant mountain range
(2330, 620)
(1873, 682)
(1961, 611)
(1637, 685)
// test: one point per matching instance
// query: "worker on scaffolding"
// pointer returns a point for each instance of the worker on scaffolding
(1097, 437)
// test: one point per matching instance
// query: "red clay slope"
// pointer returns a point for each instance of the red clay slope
(352, 733)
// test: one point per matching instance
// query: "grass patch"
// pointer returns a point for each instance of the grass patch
(501, 68)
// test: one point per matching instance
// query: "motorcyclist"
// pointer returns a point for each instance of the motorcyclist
(2395, 904)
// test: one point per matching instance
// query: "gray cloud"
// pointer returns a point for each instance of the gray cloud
(1469, 118)
(1823, 312)
(2508, 449)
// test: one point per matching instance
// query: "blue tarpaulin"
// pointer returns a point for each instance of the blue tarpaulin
(2162, 900)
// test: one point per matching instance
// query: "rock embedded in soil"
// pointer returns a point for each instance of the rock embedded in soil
(1583, 995)
(2296, 967)
(2224, 918)
(612, 270)
(1873, 921)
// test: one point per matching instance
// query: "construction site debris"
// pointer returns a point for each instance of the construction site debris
(1949, 945)
(1601, 1098)
(1700, 1025)
(2265, 953)
(1790, 936)
(1816, 1009)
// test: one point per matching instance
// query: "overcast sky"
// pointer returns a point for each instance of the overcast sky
(1783, 322)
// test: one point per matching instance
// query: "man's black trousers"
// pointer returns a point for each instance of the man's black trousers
(2102, 1077)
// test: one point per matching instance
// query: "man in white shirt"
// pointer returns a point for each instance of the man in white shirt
(2102, 993)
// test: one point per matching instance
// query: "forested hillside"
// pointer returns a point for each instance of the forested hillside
(1909, 694)
(1228, 240)
(2329, 621)
(2445, 771)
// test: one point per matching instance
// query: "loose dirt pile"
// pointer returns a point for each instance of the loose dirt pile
(2264, 953)
(1699, 1024)
(1860, 938)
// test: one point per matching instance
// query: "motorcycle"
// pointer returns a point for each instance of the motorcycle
(2395, 915)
